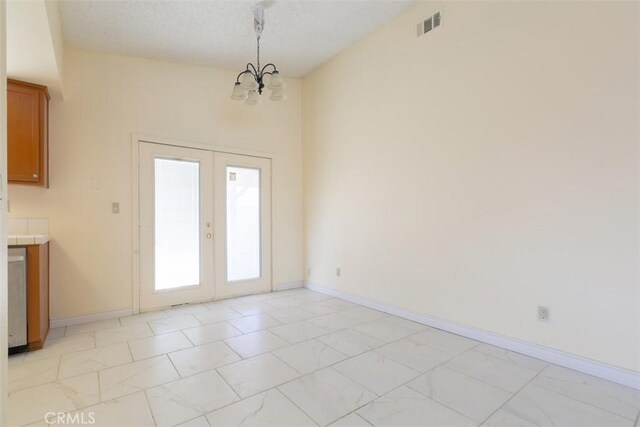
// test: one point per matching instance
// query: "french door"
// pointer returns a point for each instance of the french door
(243, 224)
(205, 225)
(176, 225)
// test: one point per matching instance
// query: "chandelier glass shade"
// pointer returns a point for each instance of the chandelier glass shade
(251, 82)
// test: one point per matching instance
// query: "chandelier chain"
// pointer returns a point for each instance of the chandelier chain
(258, 40)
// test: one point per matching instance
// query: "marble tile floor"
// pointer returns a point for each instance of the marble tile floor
(296, 358)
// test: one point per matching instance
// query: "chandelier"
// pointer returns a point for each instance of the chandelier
(251, 82)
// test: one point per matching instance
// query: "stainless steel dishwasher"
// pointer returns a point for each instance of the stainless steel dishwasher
(17, 299)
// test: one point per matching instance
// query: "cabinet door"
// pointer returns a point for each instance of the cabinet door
(24, 134)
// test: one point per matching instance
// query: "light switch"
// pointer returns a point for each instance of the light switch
(115, 207)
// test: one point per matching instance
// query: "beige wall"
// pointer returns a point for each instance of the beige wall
(107, 97)
(485, 169)
(57, 38)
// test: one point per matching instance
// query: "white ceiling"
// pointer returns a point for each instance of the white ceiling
(298, 36)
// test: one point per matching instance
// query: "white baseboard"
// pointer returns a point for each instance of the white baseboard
(571, 361)
(87, 318)
(289, 285)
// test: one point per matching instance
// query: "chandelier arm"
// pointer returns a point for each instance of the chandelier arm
(252, 70)
(265, 67)
(240, 75)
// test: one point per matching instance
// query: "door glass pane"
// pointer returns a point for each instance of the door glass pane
(243, 223)
(177, 223)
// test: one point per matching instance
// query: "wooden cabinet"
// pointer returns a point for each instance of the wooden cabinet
(27, 133)
(37, 295)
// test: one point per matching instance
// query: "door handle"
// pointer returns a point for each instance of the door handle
(209, 235)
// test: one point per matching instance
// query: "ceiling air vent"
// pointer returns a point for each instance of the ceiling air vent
(429, 24)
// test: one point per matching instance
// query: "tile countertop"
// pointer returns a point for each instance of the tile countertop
(28, 239)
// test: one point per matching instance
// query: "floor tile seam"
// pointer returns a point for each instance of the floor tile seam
(371, 336)
(294, 403)
(511, 398)
(173, 330)
(318, 336)
(593, 406)
(376, 350)
(46, 382)
(203, 371)
(477, 378)
(137, 373)
(347, 357)
(195, 418)
(340, 373)
(406, 384)
(84, 408)
(146, 398)
(59, 380)
(357, 415)
(228, 385)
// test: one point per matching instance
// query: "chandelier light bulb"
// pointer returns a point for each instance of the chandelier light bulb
(275, 82)
(253, 98)
(238, 93)
(249, 82)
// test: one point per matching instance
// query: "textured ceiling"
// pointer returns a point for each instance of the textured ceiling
(298, 36)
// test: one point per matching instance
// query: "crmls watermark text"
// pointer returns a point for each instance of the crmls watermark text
(65, 418)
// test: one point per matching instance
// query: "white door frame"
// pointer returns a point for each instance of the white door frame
(136, 139)
(4, 331)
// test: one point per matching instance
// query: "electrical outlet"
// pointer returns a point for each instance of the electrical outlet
(308, 272)
(543, 314)
(338, 272)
